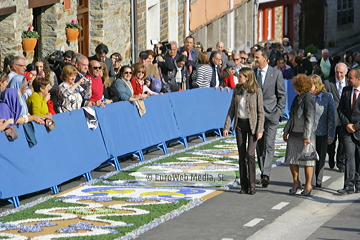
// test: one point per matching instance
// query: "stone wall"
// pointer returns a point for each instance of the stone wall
(12, 26)
(53, 23)
(164, 20)
(278, 24)
(141, 28)
(110, 24)
(181, 24)
(340, 33)
(297, 12)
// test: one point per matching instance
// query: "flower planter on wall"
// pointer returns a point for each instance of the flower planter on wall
(29, 44)
(72, 34)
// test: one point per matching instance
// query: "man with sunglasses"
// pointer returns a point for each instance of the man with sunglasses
(97, 88)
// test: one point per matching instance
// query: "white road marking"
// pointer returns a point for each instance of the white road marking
(303, 220)
(280, 206)
(253, 222)
(325, 178)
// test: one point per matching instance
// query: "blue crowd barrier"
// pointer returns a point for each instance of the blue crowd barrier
(290, 95)
(124, 131)
(199, 110)
(72, 149)
(67, 152)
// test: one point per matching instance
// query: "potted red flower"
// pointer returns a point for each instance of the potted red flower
(29, 39)
(73, 30)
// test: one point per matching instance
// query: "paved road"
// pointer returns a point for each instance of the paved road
(269, 214)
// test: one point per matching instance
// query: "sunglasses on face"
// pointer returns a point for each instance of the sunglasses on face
(96, 68)
(127, 72)
(141, 72)
(243, 58)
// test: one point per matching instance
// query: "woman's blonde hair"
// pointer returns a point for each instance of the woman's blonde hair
(107, 80)
(67, 71)
(138, 68)
(302, 83)
(251, 85)
(319, 86)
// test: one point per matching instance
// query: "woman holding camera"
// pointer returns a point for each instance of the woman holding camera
(71, 95)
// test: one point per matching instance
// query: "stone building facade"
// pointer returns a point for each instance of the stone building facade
(106, 21)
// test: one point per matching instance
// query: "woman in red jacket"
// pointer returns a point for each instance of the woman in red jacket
(138, 79)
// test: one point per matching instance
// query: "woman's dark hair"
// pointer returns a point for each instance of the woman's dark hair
(348, 55)
(7, 61)
(298, 60)
(122, 69)
(47, 69)
(32, 67)
(181, 58)
(336, 59)
(285, 56)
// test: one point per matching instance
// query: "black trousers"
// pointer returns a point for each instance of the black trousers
(331, 150)
(247, 167)
(321, 148)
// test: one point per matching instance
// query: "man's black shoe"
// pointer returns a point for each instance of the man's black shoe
(265, 181)
(331, 164)
(345, 191)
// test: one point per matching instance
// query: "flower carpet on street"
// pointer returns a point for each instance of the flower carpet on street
(124, 204)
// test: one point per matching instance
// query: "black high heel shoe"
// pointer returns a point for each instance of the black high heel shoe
(293, 192)
(306, 194)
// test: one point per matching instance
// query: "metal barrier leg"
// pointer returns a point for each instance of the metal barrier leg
(88, 176)
(55, 189)
(163, 147)
(116, 163)
(140, 155)
(15, 201)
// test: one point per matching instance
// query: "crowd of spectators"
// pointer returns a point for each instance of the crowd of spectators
(76, 81)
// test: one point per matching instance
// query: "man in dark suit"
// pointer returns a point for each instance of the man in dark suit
(335, 85)
(349, 114)
(100, 55)
(274, 94)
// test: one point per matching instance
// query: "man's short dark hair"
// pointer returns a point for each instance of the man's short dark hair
(213, 53)
(190, 37)
(69, 54)
(264, 52)
(101, 48)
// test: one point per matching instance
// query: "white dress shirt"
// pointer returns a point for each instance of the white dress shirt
(263, 73)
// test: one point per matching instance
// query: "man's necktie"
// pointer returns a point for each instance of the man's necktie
(354, 98)
(259, 78)
(340, 88)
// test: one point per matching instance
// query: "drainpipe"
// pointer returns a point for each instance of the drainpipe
(231, 26)
(187, 21)
(255, 26)
(134, 34)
